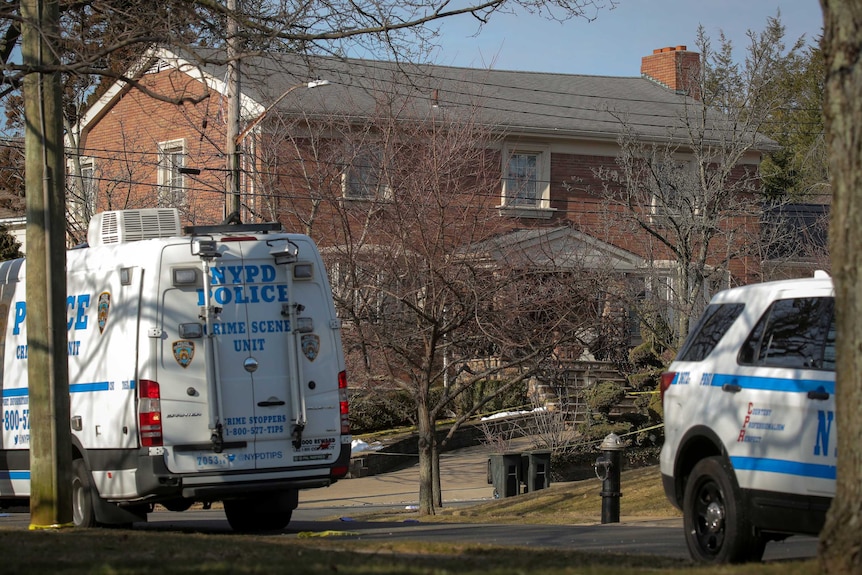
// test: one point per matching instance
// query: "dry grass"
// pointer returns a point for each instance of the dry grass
(120, 552)
(563, 503)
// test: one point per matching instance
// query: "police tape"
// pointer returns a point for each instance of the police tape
(621, 435)
(309, 534)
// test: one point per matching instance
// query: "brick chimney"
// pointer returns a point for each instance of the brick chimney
(674, 68)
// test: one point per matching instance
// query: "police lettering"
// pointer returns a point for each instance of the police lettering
(229, 328)
(824, 430)
(77, 306)
(271, 326)
(243, 274)
(256, 344)
(246, 294)
(240, 285)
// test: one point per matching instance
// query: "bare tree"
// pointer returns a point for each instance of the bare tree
(693, 196)
(120, 31)
(100, 41)
(439, 298)
(841, 540)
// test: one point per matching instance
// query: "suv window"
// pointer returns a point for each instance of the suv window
(713, 324)
(795, 333)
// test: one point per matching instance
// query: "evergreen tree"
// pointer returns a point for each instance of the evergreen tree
(10, 248)
(799, 169)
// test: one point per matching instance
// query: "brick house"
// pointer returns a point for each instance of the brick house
(550, 136)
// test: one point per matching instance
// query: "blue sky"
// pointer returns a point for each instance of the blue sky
(614, 43)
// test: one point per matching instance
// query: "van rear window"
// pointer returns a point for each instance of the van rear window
(796, 333)
(713, 324)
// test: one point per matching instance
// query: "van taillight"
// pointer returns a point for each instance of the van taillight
(338, 472)
(342, 403)
(666, 380)
(149, 413)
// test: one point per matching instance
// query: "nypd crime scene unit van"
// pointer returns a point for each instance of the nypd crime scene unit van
(202, 367)
(749, 406)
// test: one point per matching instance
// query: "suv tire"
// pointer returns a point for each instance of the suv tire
(717, 529)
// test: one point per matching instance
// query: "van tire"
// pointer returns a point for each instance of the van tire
(717, 528)
(83, 513)
(244, 517)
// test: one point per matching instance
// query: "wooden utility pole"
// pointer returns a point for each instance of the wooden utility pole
(232, 151)
(47, 368)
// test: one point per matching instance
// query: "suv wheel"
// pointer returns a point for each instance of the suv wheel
(716, 527)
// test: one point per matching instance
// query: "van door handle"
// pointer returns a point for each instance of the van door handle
(731, 387)
(270, 403)
(819, 393)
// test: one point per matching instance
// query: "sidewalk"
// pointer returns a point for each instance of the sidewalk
(463, 477)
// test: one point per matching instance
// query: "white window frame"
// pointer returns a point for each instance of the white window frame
(86, 188)
(366, 162)
(658, 207)
(343, 288)
(171, 182)
(513, 202)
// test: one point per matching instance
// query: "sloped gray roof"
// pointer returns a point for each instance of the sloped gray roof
(566, 105)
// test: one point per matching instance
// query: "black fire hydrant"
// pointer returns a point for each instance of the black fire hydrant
(608, 468)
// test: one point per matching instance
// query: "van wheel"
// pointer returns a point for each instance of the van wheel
(717, 529)
(83, 514)
(244, 518)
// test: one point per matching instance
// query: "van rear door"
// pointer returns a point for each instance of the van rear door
(269, 397)
(225, 390)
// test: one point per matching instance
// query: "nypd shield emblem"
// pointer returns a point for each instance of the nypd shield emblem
(184, 352)
(310, 346)
(103, 308)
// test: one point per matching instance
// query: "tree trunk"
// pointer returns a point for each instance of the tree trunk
(438, 491)
(841, 539)
(426, 457)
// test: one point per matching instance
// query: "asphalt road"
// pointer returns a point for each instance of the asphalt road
(660, 537)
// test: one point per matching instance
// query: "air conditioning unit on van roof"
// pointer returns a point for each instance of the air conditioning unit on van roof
(132, 225)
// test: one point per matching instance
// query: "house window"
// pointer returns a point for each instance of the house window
(526, 181)
(674, 192)
(86, 190)
(364, 177)
(172, 184)
(358, 289)
(81, 194)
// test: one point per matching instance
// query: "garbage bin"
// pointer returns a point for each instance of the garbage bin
(536, 467)
(504, 472)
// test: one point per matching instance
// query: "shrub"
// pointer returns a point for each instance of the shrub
(513, 397)
(378, 410)
(604, 396)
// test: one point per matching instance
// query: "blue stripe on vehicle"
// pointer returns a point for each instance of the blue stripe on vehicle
(15, 475)
(815, 470)
(94, 386)
(73, 388)
(773, 383)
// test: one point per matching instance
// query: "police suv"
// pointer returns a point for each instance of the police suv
(749, 407)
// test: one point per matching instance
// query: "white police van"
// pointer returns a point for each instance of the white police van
(204, 366)
(749, 408)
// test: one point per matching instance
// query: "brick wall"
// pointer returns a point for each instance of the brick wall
(674, 67)
(124, 146)
(124, 143)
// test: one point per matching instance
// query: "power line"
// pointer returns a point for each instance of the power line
(601, 98)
